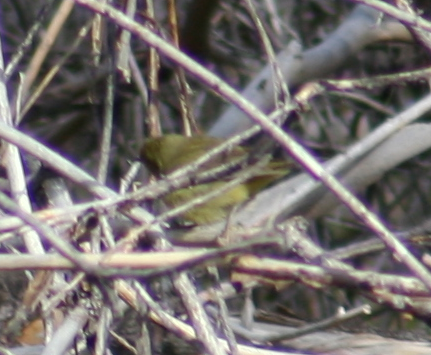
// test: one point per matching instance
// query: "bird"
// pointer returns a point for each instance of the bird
(165, 154)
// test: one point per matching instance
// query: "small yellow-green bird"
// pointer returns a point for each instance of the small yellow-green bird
(163, 155)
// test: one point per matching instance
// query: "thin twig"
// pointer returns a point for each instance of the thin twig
(51, 34)
(401, 15)
(44, 230)
(14, 167)
(105, 144)
(324, 324)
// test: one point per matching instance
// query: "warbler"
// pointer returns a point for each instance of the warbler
(163, 155)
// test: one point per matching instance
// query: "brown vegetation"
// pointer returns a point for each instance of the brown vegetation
(308, 265)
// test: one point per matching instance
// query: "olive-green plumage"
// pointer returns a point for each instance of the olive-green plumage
(163, 155)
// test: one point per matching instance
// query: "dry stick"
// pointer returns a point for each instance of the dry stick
(105, 145)
(29, 101)
(136, 261)
(143, 344)
(155, 265)
(26, 43)
(175, 325)
(274, 17)
(222, 310)
(65, 335)
(102, 170)
(124, 45)
(281, 91)
(67, 289)
(57, 195)
(129, 177)
(14, 168)
(424, 37)
(197, 314)
(96, 40)
(147, 264)
(281, 335)
(48, 40)
(52, 216)
(403, 16)
(358, 30)
(138, 80)
(123, 342)
(292, 147)
(362, 98)
(44, 230)
(199, 318)
(102, 334)
(203, 328)
(55, 161)
(392, 294)
(377, 81)
(153, 114)
(323, 324)
(391, 31)
(343, 274)
(189, 123)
